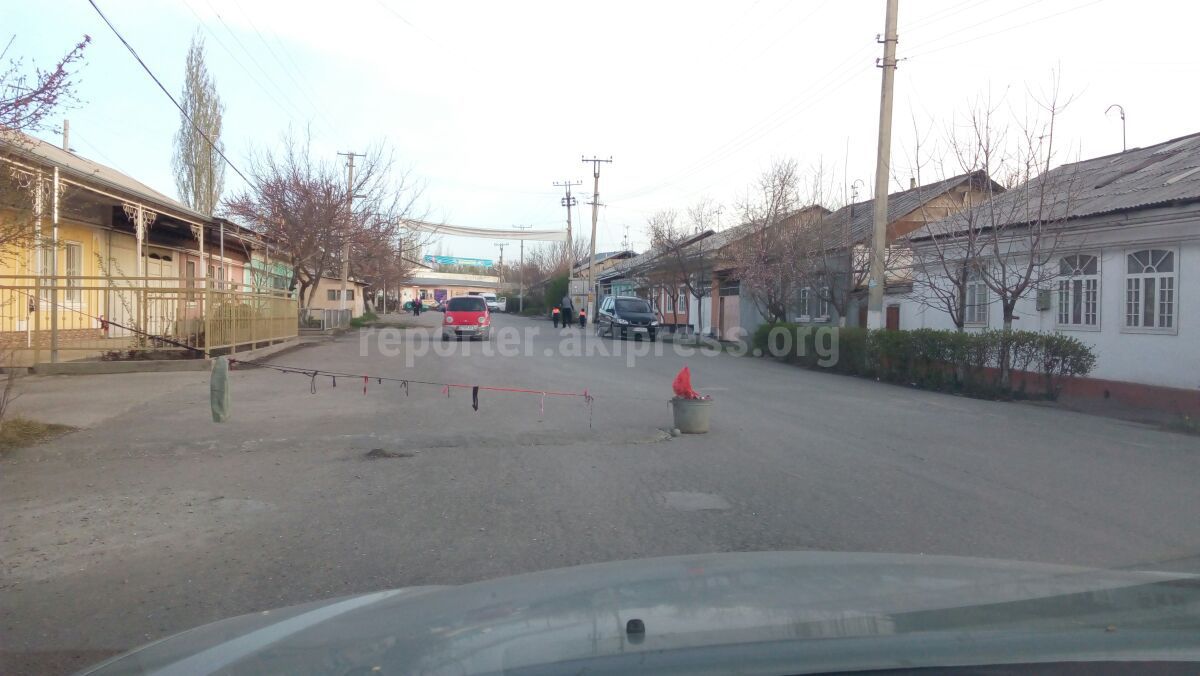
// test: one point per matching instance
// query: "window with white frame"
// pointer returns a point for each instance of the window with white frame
(976, 307)
(1079, 291)
(804, 303)
(669, 305)
(1150, 283)
(45, 269)
(73, 253)
(821, 304)
(681, 303)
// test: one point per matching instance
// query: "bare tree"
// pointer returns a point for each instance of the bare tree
(768, 255)
(302, 205)
(1004, 248)
(680, 262)
(199, 169)
(28, 97)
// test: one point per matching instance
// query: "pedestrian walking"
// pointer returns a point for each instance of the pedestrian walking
(582, 318)
(568, 310)
(554, 316)
(416, 307)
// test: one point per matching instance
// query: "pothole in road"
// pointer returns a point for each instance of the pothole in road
(694, 502)
(380, 453)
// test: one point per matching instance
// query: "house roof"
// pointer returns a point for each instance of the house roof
(861, 215)
(705, 242)
(1164, 174)
(81, 168)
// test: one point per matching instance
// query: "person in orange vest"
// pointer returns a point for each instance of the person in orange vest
(554, 316)
(582, 318)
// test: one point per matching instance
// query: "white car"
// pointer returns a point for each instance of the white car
(493, 302)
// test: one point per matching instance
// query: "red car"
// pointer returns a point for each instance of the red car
(467, 316)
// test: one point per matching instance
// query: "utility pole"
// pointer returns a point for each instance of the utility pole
(875, 287)
(521, 298)
(595, 214)
(349, 216)
(502, 245)
(569, 202)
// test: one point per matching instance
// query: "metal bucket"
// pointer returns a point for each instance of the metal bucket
(691, 415)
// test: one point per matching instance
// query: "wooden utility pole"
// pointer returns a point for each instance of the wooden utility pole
(595, 214)
(521, 271)
(349, 217)
(875, 286)
(569, 202)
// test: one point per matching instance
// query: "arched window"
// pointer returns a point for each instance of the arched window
(1150, 283)
(1079, 291)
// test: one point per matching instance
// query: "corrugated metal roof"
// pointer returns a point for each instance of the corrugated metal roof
(78, 167)
(861, 215)
(1158, 175)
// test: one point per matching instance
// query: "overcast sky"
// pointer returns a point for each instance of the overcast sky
(488, 103)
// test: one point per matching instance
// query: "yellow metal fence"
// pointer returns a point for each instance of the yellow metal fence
(64, 318)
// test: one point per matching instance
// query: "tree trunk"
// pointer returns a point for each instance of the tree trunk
(1005, 350)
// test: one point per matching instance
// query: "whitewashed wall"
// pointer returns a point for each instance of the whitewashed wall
(1165, 359)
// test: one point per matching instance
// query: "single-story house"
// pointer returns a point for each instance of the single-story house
(94, 259)
(1126, 242)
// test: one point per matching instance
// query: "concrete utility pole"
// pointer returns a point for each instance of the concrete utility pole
(875, 287)
(521, 271)
(595, 214)
(501, 245)
(569, 202)
(350, 214)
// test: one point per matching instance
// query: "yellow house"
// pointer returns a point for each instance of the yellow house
(92, 261)
(328, 296)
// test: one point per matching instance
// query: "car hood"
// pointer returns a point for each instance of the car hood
(770, 612)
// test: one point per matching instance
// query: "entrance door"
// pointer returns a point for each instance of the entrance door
(122, 264)
(893, 318)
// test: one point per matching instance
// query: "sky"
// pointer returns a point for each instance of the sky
(486, 104)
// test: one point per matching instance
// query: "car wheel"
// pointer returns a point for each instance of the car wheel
(653, 336)
(624, 334)
(445, 338)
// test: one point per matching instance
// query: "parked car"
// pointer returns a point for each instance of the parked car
(492, 301)
(467, 316)
(626, 315)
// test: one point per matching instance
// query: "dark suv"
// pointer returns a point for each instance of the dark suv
(627, 315)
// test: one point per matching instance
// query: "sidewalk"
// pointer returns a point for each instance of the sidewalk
(85, 401)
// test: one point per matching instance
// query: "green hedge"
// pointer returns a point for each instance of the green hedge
(954, 361)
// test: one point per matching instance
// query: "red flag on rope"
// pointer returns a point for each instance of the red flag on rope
(683, 385)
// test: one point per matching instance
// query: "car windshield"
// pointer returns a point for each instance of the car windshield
(302, 302)
(632, 305)
(467, 304)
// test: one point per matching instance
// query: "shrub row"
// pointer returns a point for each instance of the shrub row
(954, 361)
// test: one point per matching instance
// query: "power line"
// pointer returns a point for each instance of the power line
(757, 130)
(299, 87)
(258, 83)
(1005, 30)
(233, 35)
(149, 72)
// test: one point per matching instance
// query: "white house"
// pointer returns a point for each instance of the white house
(1122, 277)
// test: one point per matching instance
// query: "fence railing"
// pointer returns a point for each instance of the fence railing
(316, 318)
(45, 318)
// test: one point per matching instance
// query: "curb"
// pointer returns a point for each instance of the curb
(91, 368)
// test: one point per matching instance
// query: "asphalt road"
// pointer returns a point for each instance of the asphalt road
(158, 519)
